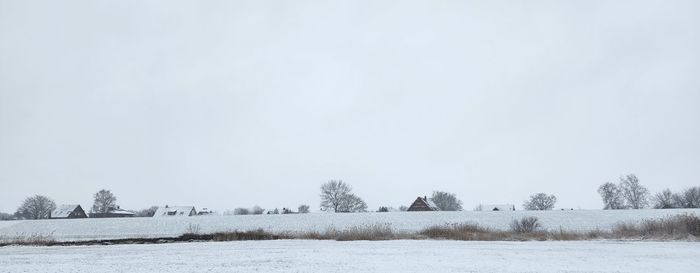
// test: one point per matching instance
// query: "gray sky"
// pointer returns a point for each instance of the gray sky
(227, 104)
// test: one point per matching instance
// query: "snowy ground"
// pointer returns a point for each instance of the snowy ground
(116, 228)
(359, 256)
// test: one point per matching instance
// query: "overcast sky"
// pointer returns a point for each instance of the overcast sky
(225, 104)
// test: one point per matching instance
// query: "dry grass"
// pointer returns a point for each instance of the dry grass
(33, 239)
(685, 226)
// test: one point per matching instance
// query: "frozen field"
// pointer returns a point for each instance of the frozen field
(359, 256)
(117, 228)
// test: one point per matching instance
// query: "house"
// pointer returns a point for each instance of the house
(423, 204)
(175, 211)
(68, 212)
(496, 207)
(113, 213)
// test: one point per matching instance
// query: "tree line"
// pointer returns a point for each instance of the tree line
(337, 196)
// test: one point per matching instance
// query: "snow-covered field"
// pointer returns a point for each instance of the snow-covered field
(116, 228)
(359, 256)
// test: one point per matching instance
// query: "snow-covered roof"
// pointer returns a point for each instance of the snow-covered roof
(175, 211)
(121, 211)
(498, 207)
(63, 211)
(431, 204)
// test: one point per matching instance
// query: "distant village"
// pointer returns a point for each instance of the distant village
(337, 196)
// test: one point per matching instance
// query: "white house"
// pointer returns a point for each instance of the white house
(175, 211)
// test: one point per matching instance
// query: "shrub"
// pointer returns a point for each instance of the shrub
(527, 224)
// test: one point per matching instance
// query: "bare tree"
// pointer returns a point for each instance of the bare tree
(664, 200)
(446, 201)
(689, 198)
(337, 196)
(403, 208)
(36, 207)
(540, 201)
(636, 195)
(256, 210)
(352, 203)
(241, 211)
(612, 196)
(149, 212)
(105, 202)
(303, 209)
(6, 216)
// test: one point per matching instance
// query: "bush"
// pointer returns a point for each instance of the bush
(527, 224)
(303, 209)
(241, 211)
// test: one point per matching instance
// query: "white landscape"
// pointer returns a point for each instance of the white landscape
(359, 256)
(125, 228)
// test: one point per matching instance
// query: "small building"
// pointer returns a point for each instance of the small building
(497, 207)
(423, 204)
(68, 212)
(114, 213)
(175, 211)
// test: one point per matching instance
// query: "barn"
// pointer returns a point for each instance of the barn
(68, 212)
(423, 204)
(175, 211)
(115, 213)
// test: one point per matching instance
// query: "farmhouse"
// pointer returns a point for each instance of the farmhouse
(423, 204)
(175, 211)
(68, 212)
(114, 213)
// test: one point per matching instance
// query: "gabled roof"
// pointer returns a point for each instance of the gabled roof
(498, 207)
(175, 211)
(63, 211)
(423, 204)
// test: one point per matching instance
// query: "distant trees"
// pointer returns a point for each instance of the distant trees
(636, 196)
(446, 201)
(241, 211)
(105, 202)
(149, 212)
(629, 193)
(6, 216)
(256, 210)
(383, 209)
(612, 196)
(688, 198)
(36, 207)
(663, 200)
(403, 208)
(303, 209)
(540, 201)
(337, 196)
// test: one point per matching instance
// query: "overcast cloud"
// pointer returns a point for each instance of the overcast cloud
(225, 104)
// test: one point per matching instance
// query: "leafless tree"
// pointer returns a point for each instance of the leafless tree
(105, 202)
(36, 207)
(664, 200)
(352, 203)
(636, 195)
(403, 208)
(612, 196)
(256, 210)
(337, 196)
(540, 201)
(303, 209)
(446, 201)
(6, 216)
(241, 211)
(149, 212)
(689, 198)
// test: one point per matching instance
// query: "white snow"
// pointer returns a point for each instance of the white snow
(116, 228)
(359, 256)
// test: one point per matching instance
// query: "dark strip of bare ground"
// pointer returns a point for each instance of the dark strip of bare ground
(676, 228)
